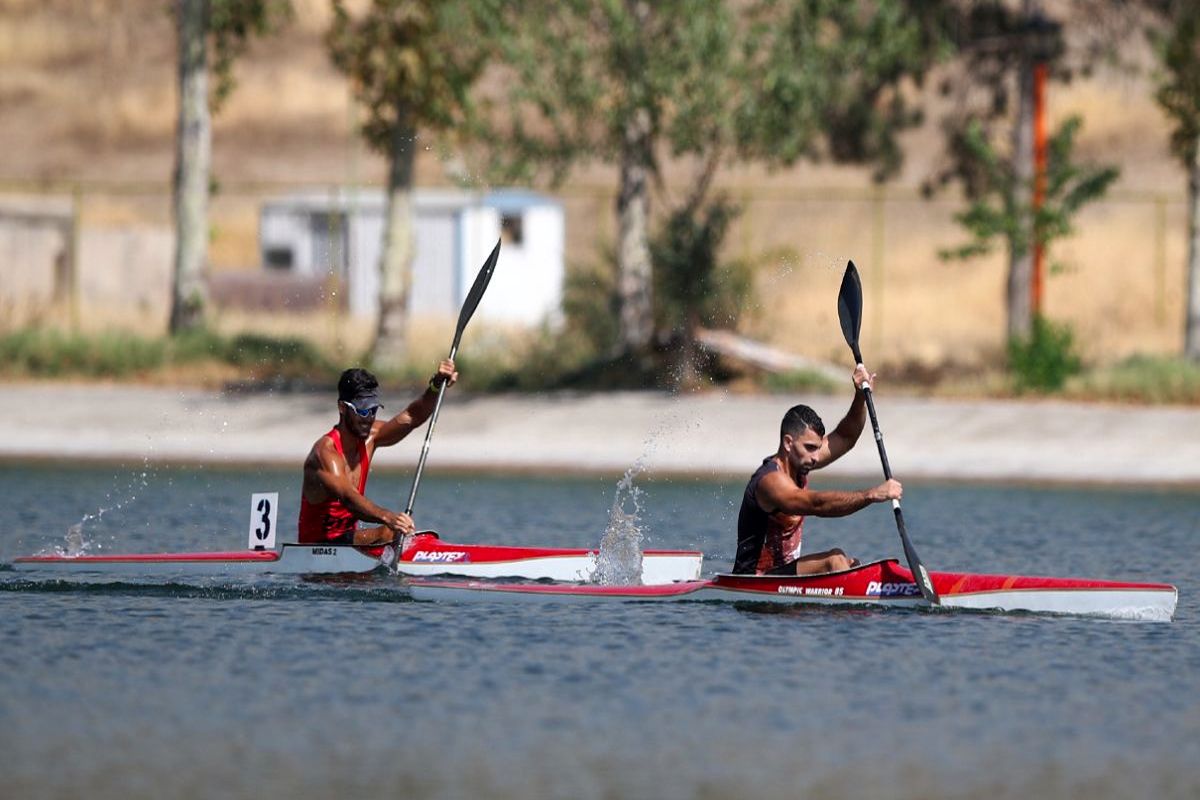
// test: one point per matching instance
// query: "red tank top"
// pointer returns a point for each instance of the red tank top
(331, 521)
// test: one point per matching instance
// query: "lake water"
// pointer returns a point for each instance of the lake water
(282, 687)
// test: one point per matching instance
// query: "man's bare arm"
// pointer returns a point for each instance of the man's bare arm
(777, 493)
(399, 426)
(388, 433)
(331, 472)
(846, 434)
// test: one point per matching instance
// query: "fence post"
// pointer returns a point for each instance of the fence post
(1160, 259)
(72, 265)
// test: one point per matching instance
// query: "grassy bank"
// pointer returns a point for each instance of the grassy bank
(202, 357)
(1152, 380)
(535, 362)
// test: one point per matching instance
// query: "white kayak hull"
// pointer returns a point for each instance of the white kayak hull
(881, 583)
(291, 559)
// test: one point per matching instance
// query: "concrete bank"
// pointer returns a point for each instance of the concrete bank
(715, 434)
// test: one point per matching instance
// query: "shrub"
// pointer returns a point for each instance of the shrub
(52, 353)
(1044, 360)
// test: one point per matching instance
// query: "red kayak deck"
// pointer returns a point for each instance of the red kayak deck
(231, 557)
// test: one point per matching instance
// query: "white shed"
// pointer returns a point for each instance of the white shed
(337, 232)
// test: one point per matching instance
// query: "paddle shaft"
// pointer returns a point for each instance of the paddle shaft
(850, 317)
(909, 553)
(412, 497)
(464, 316)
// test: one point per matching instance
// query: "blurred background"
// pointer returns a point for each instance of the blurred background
(210, 191)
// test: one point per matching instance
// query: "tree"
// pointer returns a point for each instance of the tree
(1000, 208)
(631, 83)
(225, 26)
(1000, 45)
(412, 64)
(193, 166)
(1178, 41)
(692, 285)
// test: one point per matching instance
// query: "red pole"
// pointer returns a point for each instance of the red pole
(1039, 180)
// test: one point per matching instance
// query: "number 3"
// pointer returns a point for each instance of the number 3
(264, 531)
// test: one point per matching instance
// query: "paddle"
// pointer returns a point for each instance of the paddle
(850, 315)
(464, 316)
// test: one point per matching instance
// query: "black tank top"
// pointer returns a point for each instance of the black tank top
(756, 527)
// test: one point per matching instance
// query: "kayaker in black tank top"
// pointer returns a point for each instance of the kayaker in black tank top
(777, 497)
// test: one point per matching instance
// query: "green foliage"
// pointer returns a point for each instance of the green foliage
(412, 63)
(1179, 82)
(772, 81)
(1044, 361)
(231, 25)
(823, 78)
(798, 381)
(1142, 379)
(633, 83)
(115, 354)
(996, 212)
(993, 41)
(692, 286)
(54, 354)
(590, 308)
(273, 354)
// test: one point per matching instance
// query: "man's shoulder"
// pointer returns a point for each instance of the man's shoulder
(776, 477)
(321, 450)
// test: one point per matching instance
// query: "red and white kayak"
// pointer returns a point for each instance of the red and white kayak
(880, 583)
(424, 554)
(427, 554)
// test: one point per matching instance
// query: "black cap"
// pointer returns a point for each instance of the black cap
(365, 400)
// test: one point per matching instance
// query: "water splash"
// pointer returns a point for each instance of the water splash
(619, 562)
(75, 543)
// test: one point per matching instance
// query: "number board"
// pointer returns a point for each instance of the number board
(264, 507)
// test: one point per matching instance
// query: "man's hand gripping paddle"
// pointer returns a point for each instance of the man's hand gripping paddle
(850, 315)
(464, 316)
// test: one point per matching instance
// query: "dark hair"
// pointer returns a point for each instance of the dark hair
(798, 419)
(354, 382)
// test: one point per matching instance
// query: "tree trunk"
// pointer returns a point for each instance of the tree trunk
(389, 350)
(633, 247)
(1020, 253)
(193, 165)
(1192, 332)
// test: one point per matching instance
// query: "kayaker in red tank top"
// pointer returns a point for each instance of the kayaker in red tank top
(333, 499)
(331, 521)
(777, 498)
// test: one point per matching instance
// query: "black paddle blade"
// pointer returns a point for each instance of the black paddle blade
(850, 302)
(476, 294)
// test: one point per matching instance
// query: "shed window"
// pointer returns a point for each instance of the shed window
(281, 258)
